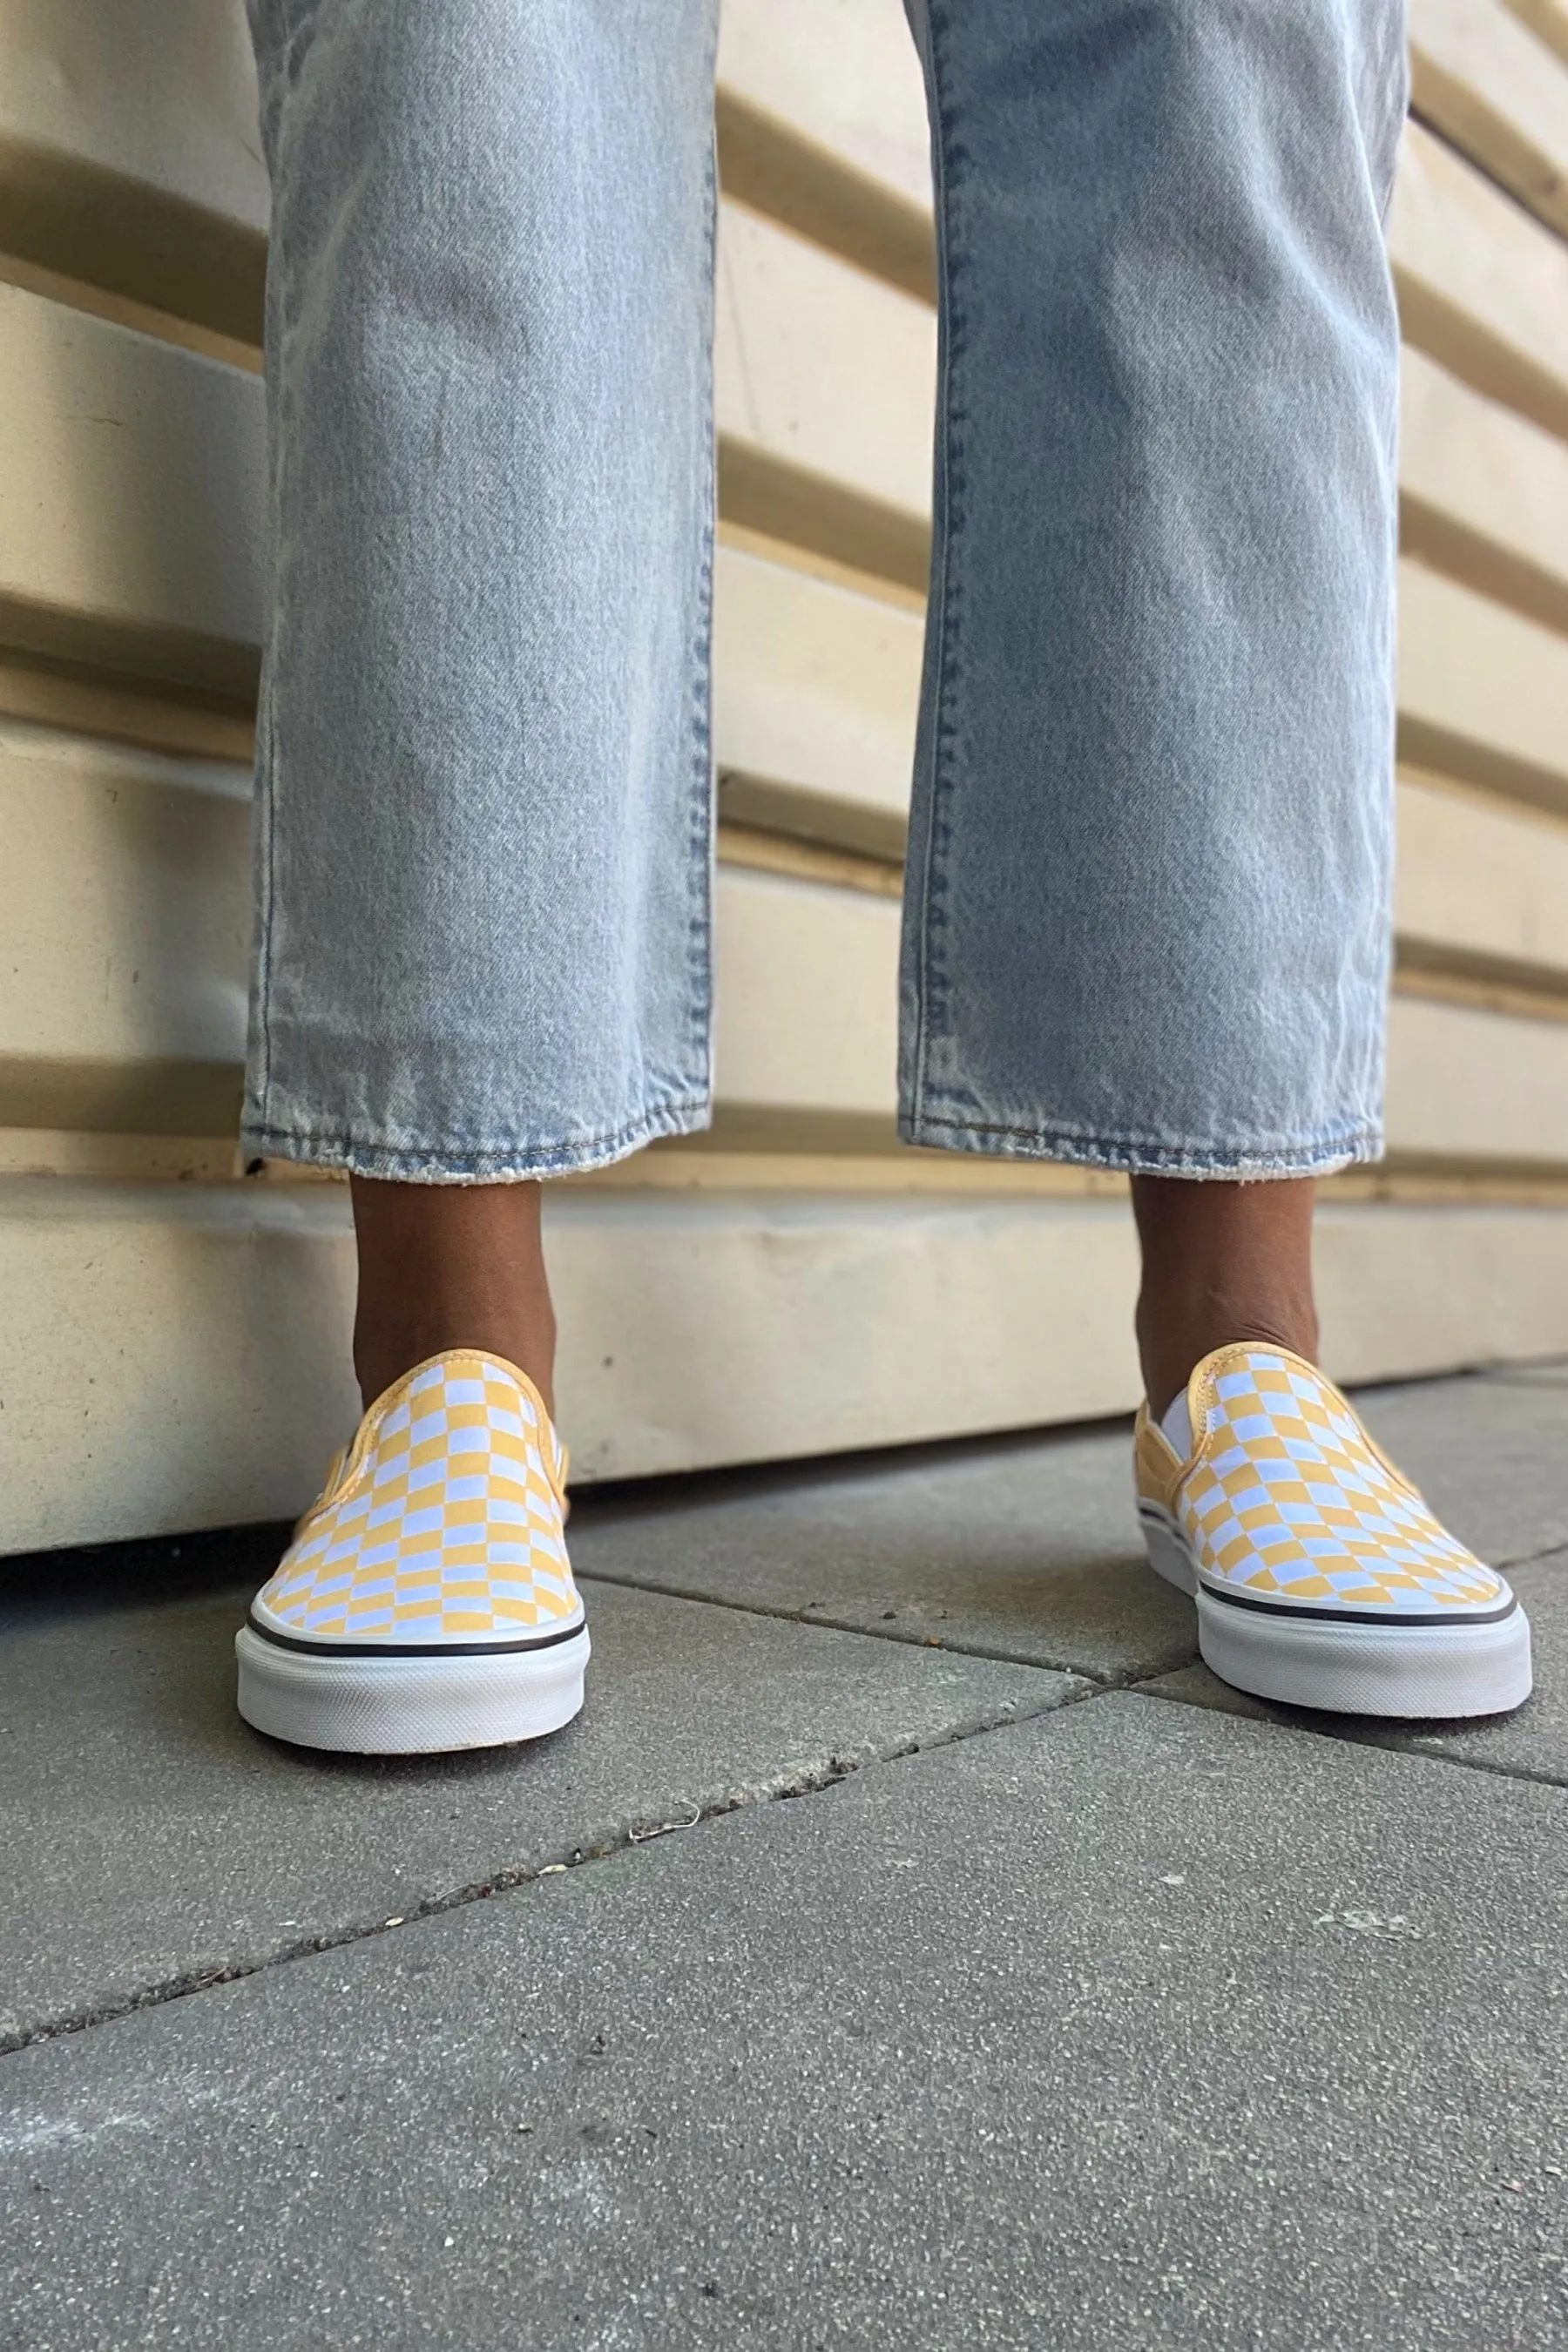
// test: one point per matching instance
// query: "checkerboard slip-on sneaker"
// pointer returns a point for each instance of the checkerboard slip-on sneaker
(1320, 1577)
(426, 1602)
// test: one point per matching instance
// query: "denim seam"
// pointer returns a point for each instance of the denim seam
(931, 889)
(699, 927)
(294, 32)
(1135, 1152)
(674, 1115)
(266, 764)
(264, 945)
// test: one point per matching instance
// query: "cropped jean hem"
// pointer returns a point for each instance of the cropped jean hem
(1138, 1157)
(410, 1162)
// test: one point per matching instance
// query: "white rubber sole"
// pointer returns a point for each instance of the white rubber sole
(409, 1705)
(1344, 1666)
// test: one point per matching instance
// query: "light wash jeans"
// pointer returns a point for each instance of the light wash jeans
(1146, 922)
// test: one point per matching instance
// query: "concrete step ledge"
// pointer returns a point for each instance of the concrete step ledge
(175, 1356)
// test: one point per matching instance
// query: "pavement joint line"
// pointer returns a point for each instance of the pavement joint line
(1127, 1681)
(806, 1783)
(1348, 1739)
(1130, 1680)
(1531, 1559)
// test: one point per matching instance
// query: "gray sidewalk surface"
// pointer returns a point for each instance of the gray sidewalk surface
(912, 1946)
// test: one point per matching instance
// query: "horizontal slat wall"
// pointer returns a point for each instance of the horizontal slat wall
(129, 502)
(129, 156)
(1546, 18)
(1483, 493)
(1482, 288)
(1481, 691)
(815, 690)
(788, 1284)
(1475, 75)
(1482, 879)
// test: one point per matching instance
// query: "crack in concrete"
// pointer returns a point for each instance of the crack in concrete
(1529, 1558)
(806, 1782)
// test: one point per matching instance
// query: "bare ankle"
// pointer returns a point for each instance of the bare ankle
(450, 1266)
(1222, 1262)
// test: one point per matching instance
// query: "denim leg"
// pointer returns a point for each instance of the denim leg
(1147, 917)
(482, 842)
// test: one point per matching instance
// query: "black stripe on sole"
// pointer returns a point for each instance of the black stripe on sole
(1390, 1619)
(412, 1649)
(1283, 1608)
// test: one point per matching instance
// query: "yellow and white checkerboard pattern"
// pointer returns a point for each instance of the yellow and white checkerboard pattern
(442, 1524)
(1288, 1499)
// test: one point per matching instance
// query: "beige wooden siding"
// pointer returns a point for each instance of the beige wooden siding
(174, 1347)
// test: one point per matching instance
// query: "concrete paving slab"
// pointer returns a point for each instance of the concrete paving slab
(1134, 2026)
(150, 1837)
(1023, 1548)
(1490, 1455)
(1532, 1742)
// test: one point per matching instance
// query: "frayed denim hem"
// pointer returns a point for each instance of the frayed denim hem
(1138, 1157)
(503, 1164)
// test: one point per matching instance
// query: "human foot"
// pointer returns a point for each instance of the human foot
(426, 1602)
(1320, 1577)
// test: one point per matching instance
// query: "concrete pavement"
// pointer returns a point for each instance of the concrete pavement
(912, 1946)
